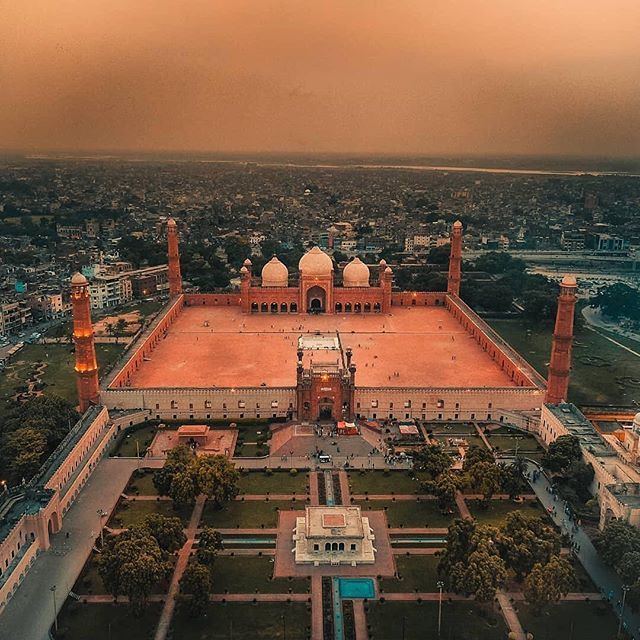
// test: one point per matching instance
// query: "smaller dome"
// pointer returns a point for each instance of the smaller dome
(388, 270)
(569, 281)
(383, 263)
(247, 262)
(457, 224)
(275, 274)
(355, 274)
(78, 279)
(244, 270)
(171, 222)
(315, 263)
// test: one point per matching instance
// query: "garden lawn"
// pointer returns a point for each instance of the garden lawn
(252, 514)
(589, 384)
(383, 483)
(250, 451)
(584, 620)
(417, 573)
(127, 447)
(240, 621)
(136, 510)
(249, 574)
(107, 621)
(59, 375)
(460, 621)
(451, 429)
(142, 483)
(411, 513)
(498, 510)
(259, 482)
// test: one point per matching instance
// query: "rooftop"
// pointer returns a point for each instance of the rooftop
(323, 522)
(411, 347)
(578, 425)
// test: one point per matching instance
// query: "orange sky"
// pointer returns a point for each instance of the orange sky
(396, 76)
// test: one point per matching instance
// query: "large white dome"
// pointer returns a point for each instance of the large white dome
(315, 263)
(356, 274)
(275, 274)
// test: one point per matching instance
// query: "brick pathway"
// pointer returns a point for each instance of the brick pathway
(344, 487)
(510, 616)
(316, 608)
(362, 497)
(259, 597)
(484, 438)
(360, 620)
(462, 506)
(313, 488)
(181, 564)
(418, 551)
(419, 530)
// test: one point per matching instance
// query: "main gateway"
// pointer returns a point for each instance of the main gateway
(322, 345)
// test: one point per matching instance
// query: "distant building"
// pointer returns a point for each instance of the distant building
(573, 240)
(14, 317)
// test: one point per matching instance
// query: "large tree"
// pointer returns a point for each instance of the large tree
(616, 540)
(131, 564)
(618, 301)
(548, 583)
(444, 487)
(525, 541)
(476, 454)
(217, 478)
(196, 583)
(561, 453)
(167, 531)
(209, 543)
(432, 459)
(486, 478)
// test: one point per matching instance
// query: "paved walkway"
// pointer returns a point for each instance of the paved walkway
(314, 479)
(344, 487)
(510, 616)
(316, 608)
(181, 565)
(29, 614)
(259, 597)
(302, 497)
(302, 462)
(360, 620)
(603, 576)
(462, 506)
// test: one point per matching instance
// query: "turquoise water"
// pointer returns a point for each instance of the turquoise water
(351, 588)
(264, 540)
(419, 540)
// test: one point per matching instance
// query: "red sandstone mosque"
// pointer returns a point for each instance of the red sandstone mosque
(304, 347)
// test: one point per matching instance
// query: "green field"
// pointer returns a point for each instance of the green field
(411, 513)
(135, 440)
(252, 574)
(59, 374)
(130, 512)
(79, 621)
(252, 514)
(259, 482)
(598, 364)
(460, 621)
(584, 620)
(141, 483)
(240, 621)
(415, 573)
(497, 510)
(383, 483)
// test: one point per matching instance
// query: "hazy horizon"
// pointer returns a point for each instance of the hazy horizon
(402, 78)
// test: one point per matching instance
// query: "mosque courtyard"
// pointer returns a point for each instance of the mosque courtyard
(412, 346)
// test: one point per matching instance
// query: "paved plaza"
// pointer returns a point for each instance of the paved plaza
(412, 346)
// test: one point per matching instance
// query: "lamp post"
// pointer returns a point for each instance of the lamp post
(101, 514)
(55, 608)
(284, 628)
(440, 586)
(625, 588)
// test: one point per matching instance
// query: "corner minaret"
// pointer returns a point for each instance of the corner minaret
(86, 364)
(455, 260)
(175, 278)
(560, 363)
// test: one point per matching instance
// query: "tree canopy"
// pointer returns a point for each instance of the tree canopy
(617, 301)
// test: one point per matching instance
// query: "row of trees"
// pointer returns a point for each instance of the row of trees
(619, 546)
(571, 474)
(477, 559)
(185, 476)
(29, 432)
(480, 473)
